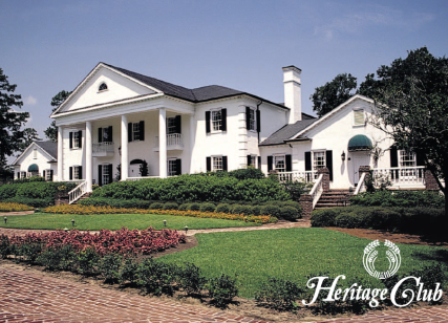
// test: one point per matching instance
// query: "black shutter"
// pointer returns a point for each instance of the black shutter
(70, 172)
(308, 161)
(71, 140)
(249, 159)
(224, 163)
(109, 134)
(100, 175)
(51, 175)
(393, 157)
(207, 121)
(142, 130)
(177, 122)
(259, 162)
(24, 174)
(43, 175)
(111, 176)
(80, 139)
(288, 160)
(258, 120)
(248, 118)
(224, 119)
(329, 162)
(209, 164)
(420, 158)
(270, 162)
(100, 134)
(18, 174)
(178, 167)
(129, 131)
(80, 172)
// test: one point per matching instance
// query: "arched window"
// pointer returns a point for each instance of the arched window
(102, 87)
(136, 162)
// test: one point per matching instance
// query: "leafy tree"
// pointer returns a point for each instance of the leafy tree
(327, 97)
(11, 121)
(29, 135)
(52, 131)
(144, 171)
(412, 100)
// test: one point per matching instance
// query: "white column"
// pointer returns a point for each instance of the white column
(162, 144)
(60, 155)
(89, 159)
(192, 137)
(124, 148)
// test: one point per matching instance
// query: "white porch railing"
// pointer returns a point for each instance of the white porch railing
(76, 193)
(173, 141)
(361, 185)
(308, 176)
(141, 177)
(317, 190)
(412, 177)
(103, 147)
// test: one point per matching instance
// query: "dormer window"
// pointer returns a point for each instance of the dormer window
(102, 87)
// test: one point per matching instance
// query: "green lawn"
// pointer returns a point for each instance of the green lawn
(116, 222)
(293, 254)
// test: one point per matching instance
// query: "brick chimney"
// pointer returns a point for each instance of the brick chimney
(293, 93)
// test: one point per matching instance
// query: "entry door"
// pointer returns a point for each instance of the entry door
(134, 170)
(358, 159)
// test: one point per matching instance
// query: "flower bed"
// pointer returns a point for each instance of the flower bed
(92, 210)
(14, 207)
(124, 241)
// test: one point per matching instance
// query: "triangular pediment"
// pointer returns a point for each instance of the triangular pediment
(90, 91)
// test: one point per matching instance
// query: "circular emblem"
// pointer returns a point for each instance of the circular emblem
(392, 254)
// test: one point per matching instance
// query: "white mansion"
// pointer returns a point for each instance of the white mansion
(118, 117)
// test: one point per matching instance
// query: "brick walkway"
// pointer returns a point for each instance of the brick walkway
(28, 297)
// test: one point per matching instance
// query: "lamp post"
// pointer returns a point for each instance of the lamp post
(66, 230)
(73, 222)
(343, 156)
(6, 219)
(164, 223)
(186, 229)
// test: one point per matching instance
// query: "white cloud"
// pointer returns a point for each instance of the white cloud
(31, 100)
(373, 16)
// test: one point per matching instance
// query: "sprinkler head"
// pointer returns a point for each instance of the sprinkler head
(73, 222)
(6, 219)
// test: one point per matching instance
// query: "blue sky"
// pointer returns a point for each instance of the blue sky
(48, 46)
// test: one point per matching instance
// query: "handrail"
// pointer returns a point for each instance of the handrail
(307, 176)
(360, 184)
(317, 190)
(76, 193)
(402, 176)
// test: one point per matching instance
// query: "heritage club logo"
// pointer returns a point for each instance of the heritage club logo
(373, 296)
(371, 254)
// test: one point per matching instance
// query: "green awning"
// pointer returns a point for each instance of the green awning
(33, 168)
(359, 143)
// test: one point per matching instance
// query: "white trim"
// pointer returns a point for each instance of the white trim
(28, 148)
(90, 75)
(331, 113)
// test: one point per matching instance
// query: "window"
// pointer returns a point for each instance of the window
(22, 174)
(106, 174)
(76, 141)
(251, 160)
(251, 122)
(359, 117)
(174, 167)
(76, 173)
(135, 131)
(48, 175)
(217, 120)
(318, 159)
(279, 163)
(35, 154)
(407, 159)
(217, 163)
(102, 87)
(105, 134)
(171, 126)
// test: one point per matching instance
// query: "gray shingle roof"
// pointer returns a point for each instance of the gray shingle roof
(50, 147)
(197, 95)
(280, 136)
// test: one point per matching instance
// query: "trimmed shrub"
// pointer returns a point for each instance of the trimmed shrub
(271, 210)
(207, 207)
(134, 203)
(222, 290)
(247, 173)
(194, 207)
(242, 209)
(279, 294)
(289, 213)
(348, 220)
(170, 206)
(399, 198)
(184, 207)
(31, 202)
(34, 190)
(256, 210)
(293, 204)
(223, 208)
(156, 206)
(324, 218)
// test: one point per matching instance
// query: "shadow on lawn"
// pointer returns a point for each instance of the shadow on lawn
(440, 256)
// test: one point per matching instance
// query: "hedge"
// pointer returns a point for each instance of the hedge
(190, 188)
(393, 219)
(288, 210)
(34, 190)
(400, 199)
